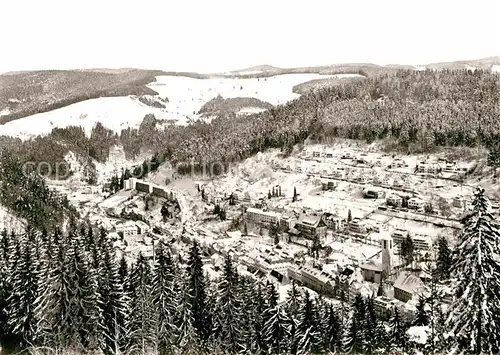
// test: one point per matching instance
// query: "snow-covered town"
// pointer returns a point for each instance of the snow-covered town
(199, 178)
(340, 221)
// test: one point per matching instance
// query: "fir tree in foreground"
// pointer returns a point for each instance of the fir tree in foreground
(474, 318)
(444, 260)
(228, 311)
(197, 293)
(24, 281)
(163, 296)
(141, 322)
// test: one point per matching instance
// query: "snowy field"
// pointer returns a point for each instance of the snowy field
(186, 96)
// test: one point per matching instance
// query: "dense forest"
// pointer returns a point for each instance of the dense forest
(32, 92)
(414, 110)
(25, 194)
(69, 291)
(418, 109)
(219, 105)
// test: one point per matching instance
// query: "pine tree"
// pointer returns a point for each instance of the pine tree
(112, 300)
(293, 303)
(397, 338)
(333, 332)
(141, 320)
(4, 246)
(123, 272)
(349, 216)
(54, 307)
(272, 296)
(474, 318)
(308, 332)
(86, 312)
(197, 292)
(13, 258)
(381, 289)
(248, 298)
(293, 299)
(371, 338)
(350, 331)
(444, 260)
(228, 314)
(407, 250)
(24, 281)
(354, 336)
(184, 330)
(4, 295)
(256, 306)
(294, 199)
(421, 317)
(217, 210)
(276, 332)
(163, 294)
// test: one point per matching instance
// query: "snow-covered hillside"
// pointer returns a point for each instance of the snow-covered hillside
(186, 96)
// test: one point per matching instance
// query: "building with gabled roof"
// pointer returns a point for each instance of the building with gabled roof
(406, 285)
(142, 227)
(332, 221)
(317, 280)
(311, 226)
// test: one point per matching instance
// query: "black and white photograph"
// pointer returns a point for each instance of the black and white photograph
(262, 177)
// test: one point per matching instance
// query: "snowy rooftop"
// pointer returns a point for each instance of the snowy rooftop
(408, 282)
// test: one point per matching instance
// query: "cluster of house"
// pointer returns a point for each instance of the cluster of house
(337, 272)
(417, 204)
(414, 203)
(214, 196)
(428, 168)
(133, 237)
(425, 167)
(305, 225)
(132, 228)
(390, 183)
(349, 278)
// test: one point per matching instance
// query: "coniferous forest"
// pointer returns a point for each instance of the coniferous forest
(69, 291)
(413, 110)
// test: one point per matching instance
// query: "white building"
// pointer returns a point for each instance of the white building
(129, 184)
(421, 241)
(262, 217)
(394, 200)
(128, 228)
(416, 204)
(399, 235)
(142, 227)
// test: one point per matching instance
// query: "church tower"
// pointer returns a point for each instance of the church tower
(387, 244)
